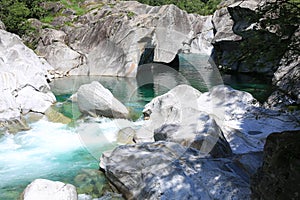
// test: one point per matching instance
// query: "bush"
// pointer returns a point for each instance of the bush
(14, 14)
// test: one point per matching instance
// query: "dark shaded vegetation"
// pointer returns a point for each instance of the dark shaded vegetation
(15, 13)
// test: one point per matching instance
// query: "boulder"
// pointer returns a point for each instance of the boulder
(197, 130)
(279, 176)
(94, 99)
(167, 109)
(166, 170)
(23, 84)
(238, 115)
(9, 109)
(47, 189)
(112, 39)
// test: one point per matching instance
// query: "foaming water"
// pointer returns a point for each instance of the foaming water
(49, 150)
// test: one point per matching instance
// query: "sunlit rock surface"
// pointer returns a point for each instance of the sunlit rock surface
(94, 99)
(176, 150)
(111, 39)
(23, 85)
(175, 117)
(49, 190)
(166, 170)
(243, 122)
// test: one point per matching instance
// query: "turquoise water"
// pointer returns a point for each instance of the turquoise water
(59, 152)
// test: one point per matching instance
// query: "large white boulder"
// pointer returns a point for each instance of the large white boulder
(166, 170)
(49, 190)
(243, 122)
(23, 85)
(94, 99)
(175, 117)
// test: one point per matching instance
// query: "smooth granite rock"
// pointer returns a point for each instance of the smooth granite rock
(114, 38)
(166, 170)
(49, 190)
(23, 84)
(243, 122)
(94, 99)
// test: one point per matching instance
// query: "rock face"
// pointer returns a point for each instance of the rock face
(287, 79)
(241, 44)
(279, 176)
(94, 99)
(23, 85)
(166, 170)
(46, 189)
(248, 39)
(112, 39)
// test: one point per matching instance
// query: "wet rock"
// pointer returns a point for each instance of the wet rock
(57, 117)
(47, 189)
(94, 99)
(279, 176)
(126, 135)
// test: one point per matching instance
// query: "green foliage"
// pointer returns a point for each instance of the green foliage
(14, 14)
(130, 14)
(191, 6)
(74, 5)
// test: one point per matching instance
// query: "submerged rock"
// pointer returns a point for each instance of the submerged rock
(91, 182)
(166, 170)
(279, 176)
(94, 99)
(49, 190)
(55, 116)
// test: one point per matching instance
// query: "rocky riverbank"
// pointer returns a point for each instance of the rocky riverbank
(193, 145)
